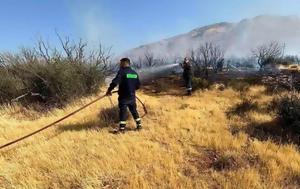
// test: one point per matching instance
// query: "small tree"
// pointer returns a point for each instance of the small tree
(204, 57)
(149, 60)
(207, 56)
(268, 53)
(195, 59)
(137, 63)
(217, 57)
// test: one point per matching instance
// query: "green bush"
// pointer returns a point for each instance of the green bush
(51, 77)
(289, 111)
(199, 83)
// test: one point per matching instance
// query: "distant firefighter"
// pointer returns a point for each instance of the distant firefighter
(187, 74)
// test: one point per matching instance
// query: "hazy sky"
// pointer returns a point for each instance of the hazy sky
(122, 24)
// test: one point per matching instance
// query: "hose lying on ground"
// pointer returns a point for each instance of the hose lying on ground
(63, 118)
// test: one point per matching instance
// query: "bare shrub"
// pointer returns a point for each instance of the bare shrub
(206, 57)
(268, 53)
(148, 60)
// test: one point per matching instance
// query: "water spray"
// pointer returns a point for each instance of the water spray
(159, 71)
(146, 74)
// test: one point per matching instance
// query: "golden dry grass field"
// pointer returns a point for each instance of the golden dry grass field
(214, 139)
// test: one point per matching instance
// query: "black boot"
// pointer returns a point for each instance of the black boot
(121, 128)
(138, 124)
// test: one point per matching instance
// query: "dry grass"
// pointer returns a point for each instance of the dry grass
(188, 142)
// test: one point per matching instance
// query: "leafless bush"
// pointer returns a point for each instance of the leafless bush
(268, 53)
(148, 60)
(208, 56)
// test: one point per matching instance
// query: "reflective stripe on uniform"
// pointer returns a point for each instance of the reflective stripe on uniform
(131, 76)
(138, 119)
(123, 122)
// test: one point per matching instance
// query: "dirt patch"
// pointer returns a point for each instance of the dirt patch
(225, 162)
(207, 160)
(110, 183)
(171, 85)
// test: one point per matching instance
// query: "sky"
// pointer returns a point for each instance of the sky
(122, 24)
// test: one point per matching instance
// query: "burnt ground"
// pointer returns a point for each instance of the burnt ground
(170, 85)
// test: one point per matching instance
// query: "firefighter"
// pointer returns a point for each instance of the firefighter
(128, 81)
(187, 74)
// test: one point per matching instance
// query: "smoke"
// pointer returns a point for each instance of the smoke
(155, 72)
(248, 34)
(94, 23)
(148, 74)
(237, 39)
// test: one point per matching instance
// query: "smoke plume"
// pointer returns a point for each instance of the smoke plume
(237, 39)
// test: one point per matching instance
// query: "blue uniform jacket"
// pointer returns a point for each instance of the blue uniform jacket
(128, 81)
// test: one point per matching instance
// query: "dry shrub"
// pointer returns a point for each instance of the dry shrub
(289, 111)
(239, 85)
(46, 75)
(199, 83)
(109, 116)
(225, 162)
(246, 105)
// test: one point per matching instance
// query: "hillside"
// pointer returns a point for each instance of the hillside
(236, 38)
(209, 140)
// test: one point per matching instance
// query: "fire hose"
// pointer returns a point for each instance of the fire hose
(65, 117)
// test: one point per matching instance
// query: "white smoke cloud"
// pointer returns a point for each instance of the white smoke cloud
(253, 32)
(94, 24)
(237, 39)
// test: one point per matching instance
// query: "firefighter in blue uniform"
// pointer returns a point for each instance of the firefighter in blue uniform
(128, 81)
